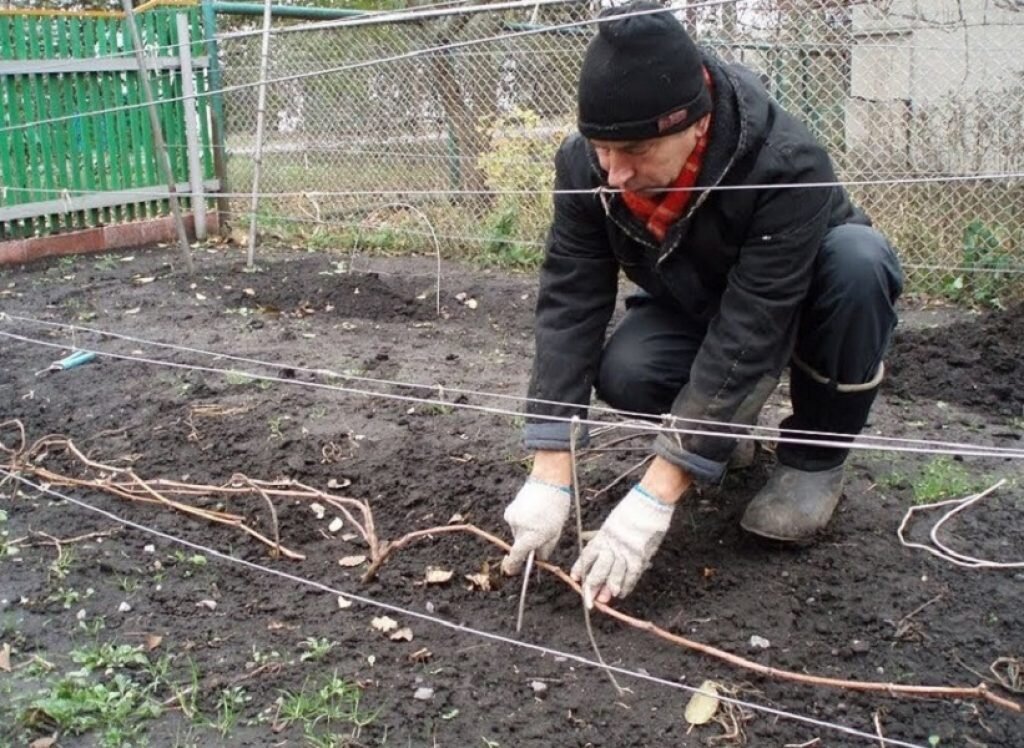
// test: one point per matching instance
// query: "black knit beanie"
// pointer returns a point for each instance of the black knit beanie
(642, 76)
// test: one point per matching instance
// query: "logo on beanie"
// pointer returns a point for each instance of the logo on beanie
(671, 120)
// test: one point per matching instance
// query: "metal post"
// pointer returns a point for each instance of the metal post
(217, 128)
(188, 87)
(260, 109)
(158, 135)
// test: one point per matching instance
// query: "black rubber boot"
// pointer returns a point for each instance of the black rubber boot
(799, 499)
(794, 505)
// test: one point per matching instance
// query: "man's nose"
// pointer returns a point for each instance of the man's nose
(620, 170)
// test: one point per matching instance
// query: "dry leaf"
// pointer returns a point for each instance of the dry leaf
(402, 635)
(349, 561)
(438, 576)
(5, 658)
(703, 705)
(384, 624)
(482, 579)
(153, 641)
(43, 742)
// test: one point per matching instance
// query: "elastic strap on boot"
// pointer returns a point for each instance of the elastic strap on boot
(821, 404)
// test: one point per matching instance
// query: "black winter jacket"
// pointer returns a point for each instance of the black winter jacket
(739, 261)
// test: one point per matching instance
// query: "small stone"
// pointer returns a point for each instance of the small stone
(471, 303)
(540, 688)
(423, 694)
(336, 524)
(759, 642)
(80, 615)
(149, 548)
(860, 647)
(124, 608)
(344, 602)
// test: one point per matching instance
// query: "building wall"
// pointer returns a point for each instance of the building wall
(937, 85)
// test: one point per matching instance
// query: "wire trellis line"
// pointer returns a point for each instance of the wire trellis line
(725, 430)
(439, 192)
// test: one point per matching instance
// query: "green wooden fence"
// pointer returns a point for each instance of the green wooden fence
(75, 138)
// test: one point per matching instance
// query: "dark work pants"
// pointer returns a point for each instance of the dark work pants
(845, 327)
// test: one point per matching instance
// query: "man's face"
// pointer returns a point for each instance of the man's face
(653, 164)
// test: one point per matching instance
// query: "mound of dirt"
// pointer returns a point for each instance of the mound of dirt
(977, 363)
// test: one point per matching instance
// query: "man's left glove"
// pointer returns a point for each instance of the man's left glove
(623, 547)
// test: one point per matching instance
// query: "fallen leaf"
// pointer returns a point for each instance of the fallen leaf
(350, 561)
(703, 705)
(384, 624)
(153, 641)
(402, 635)
(438, 576)
(480, 581)
(5, 658)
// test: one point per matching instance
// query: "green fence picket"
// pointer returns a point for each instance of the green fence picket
(101, 140)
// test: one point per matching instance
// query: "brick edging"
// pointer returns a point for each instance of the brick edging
(115, 236)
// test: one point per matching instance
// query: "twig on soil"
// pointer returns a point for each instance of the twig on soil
(878, 728)
(904, 625)
(587, 602)
(621, 478)
(270, 506)
(980, 691)
(1013, 680)
(938, 548)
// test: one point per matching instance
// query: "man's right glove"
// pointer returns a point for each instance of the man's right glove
(536, 517)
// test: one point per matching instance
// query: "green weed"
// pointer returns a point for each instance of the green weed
(315, 648)
(943, 478)
(321, 708)
(116, 708)
(108, 655)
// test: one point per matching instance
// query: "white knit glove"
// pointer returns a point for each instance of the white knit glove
(536, 517)
(623, 547)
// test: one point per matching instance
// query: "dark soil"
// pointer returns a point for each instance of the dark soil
(978, 363)
(855, 605)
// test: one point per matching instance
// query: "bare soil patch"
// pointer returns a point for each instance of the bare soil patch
(854, 605)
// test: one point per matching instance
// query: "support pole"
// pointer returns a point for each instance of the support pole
(188, 87)
(158, 135)
(260, 112)
(217, 129)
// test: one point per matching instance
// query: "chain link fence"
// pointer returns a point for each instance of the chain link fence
(453, 122)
